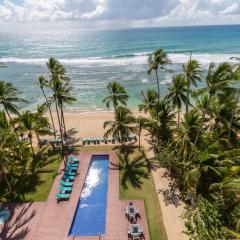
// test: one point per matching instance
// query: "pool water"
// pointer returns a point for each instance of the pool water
(90, 214)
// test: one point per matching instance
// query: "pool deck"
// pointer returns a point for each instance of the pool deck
(52, 220)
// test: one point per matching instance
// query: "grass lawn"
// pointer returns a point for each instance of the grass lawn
(148, 193)
(42, 186)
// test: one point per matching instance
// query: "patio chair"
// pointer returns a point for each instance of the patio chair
(66, 184)
(71, 168)
(65, 189)
(70, 178)
(62, 196)
(69, 173)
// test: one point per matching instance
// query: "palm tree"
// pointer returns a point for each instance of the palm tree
(44, 83)
(7, 142)
(177, 93)
(158, 60)
(141, 123)
(117, 95)
(8, 99)
(57, 77)
(64, 97)
(236, 70)
(160, 126)
(186, 133)
(122, 125)
(27, 123)
(4, 124)
(149, 101)
(193, 72)
(217, 80)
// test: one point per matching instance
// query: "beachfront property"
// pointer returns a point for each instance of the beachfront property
(116, 137)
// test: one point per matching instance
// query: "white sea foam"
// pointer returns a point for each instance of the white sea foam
(137, 59)
(144, 80)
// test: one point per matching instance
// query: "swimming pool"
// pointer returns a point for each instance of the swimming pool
(90, 214)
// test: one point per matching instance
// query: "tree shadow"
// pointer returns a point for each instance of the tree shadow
(132, 169)
(171, 196)
(15, 228)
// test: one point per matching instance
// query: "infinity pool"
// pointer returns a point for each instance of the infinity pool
(90, 214)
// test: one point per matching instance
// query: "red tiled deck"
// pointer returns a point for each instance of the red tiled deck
(53, 220)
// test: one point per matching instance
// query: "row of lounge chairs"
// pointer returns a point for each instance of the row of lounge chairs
(68, 178)
(88, 141)
(135, 231)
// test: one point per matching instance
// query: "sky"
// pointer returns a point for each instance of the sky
(117, 13)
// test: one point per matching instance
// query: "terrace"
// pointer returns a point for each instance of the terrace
(51, 220)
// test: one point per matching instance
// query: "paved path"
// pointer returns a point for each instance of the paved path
(171, 206)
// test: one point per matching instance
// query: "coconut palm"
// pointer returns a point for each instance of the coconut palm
(4, 124)
(177, 93)
(141, 123)
(122, 126)
(44, 83)
(8, 99)
(117, 95)
(157, 61)
(7, 140)
(64, 97)
(193, 73)
(185, 134)
(160, 126)
(149, 101)
(217, 80)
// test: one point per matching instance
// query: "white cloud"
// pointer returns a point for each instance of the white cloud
(231, 9)
(132, 12)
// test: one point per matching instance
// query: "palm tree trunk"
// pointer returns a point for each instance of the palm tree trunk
(5, 178)
(60, 129)
(30, 139)
(188, 93)
(10, 118)
(201, 125)
(139, 139)
(63, 120)
(179, 116)
(233, 113)
(50, 111)
(158, 86)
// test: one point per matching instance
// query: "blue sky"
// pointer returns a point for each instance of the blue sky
(120, 13)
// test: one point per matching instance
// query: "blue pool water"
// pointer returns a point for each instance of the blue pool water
(90, 214)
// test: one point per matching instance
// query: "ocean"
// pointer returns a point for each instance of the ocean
(94, 58)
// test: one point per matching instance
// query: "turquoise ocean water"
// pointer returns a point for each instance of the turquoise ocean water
(94, 58)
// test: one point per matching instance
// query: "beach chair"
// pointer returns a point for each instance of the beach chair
(98, 141)
(66, 184)
(73, 160)
(71, 178)
(71, 168)
(62, 196)
(69, 173)
(65, 189)
(72, 165)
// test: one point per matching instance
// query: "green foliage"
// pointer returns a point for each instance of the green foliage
(203, 221)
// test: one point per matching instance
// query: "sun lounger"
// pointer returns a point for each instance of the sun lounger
(68, 177)
(65, 189)
(61, 196)
(72, 165)
(71, 168)
(73, 159)
(66, 184)
(69, 173)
